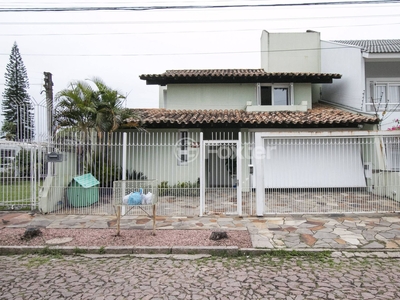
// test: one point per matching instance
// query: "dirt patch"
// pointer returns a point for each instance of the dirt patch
(106, 237)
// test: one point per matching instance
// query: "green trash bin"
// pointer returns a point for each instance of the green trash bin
(83, 190)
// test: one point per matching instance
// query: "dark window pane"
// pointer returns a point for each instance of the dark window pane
(266, 98)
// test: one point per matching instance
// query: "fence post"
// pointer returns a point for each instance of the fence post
(33, 178)
(239, 173)
(124, 153)
(202, 177)
(259, 174)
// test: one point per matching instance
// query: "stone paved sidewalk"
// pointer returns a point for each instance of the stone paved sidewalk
(338, 232)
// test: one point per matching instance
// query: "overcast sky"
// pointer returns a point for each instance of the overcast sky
(118, 46)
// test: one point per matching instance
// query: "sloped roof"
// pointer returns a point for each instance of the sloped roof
(235, 76)
(374, 46)
(320, 116)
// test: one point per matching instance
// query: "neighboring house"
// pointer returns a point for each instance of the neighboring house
(370, 80)
(8, 152)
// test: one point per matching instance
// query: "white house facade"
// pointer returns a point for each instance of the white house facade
(276, 139)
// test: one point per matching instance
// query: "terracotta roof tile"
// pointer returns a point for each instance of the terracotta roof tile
(320, 115)
(235, 76)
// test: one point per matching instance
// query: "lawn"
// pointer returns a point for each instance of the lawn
(14, 191)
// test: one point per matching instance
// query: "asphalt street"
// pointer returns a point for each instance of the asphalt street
(309, 276)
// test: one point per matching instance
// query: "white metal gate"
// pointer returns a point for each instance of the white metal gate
(320, 172)
(220, 184)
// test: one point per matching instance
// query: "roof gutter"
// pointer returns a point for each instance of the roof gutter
(348, 108)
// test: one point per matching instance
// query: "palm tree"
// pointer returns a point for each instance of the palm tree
(75, 116)
(76, 107)
(84, 108)
(88, 106)
(110, 110)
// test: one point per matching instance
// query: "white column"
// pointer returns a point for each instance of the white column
(239, 173)
(259, 155)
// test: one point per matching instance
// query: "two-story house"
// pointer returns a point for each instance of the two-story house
(254, 138)
(281, 96)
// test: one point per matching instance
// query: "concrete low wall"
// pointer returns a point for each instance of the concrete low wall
(51, 194)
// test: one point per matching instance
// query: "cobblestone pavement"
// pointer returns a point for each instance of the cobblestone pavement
(152, 277)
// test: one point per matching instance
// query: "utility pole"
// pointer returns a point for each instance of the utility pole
(48, 86)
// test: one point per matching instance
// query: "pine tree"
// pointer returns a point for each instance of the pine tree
(17, 108)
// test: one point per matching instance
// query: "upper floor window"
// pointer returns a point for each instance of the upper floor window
(383, 96)
(274, 94)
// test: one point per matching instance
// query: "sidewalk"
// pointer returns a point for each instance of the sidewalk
(339, 232)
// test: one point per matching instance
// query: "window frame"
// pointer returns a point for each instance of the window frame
(288, 86)
(372, 92)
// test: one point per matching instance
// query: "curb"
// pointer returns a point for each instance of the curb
(228, 251)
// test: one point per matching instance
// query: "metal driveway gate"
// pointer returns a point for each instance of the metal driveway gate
(220, 177)
(337, 172)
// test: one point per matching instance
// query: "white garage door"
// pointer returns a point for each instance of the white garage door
(313, 163)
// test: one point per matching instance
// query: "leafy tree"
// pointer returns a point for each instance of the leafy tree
(17, 108)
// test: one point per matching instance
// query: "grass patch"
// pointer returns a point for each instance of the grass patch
(299, 263)
(296, 253)
(102, 250)
(16, 192)
(78, 251)
(55, 253)
(44, 256)
(38, 261)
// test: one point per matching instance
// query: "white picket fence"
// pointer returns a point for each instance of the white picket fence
(206, 173)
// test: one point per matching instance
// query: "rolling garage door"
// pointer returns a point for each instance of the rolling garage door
(313, 163)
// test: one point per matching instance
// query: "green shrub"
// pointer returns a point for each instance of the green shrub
(187, 188)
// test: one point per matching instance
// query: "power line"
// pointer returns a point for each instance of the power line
(186, 7)
(190, 31)
(196, 21)
(187, 53)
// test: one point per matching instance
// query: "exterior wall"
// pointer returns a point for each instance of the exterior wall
(290, 52)
(348, 61)
(302, 92)
(210, 96)
(157, 157)
(228, 96)
(162, 96)
(382, 69)
(53, 190)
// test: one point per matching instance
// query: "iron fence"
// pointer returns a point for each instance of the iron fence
(199, 173)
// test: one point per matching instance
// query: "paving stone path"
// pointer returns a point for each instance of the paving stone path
(334, 231)
(152, 277)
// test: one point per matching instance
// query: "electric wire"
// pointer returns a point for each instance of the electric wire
(189, 7)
